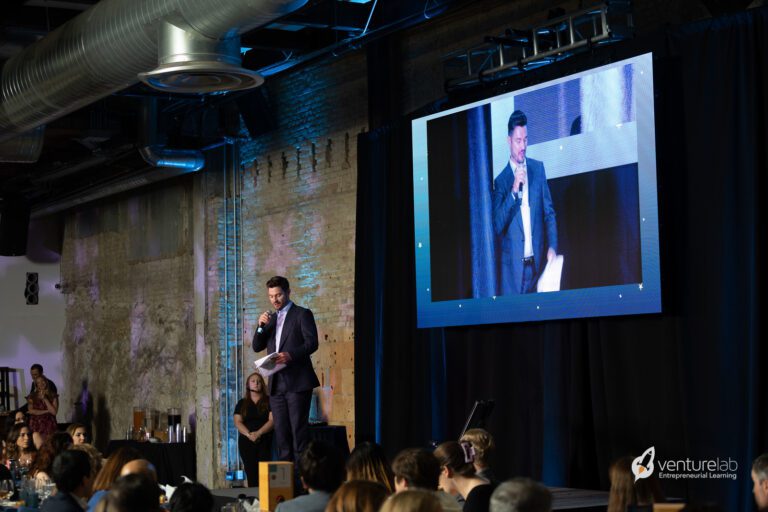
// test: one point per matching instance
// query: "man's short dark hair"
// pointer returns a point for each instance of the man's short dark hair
(760, 467)
(36, 366)
(69, 468)
(321, 466)
(521, 495)
(134, 492)
(417, 467)
(192, 497)
(278, 282)
(516, 119)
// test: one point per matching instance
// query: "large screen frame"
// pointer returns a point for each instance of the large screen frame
(635, 144)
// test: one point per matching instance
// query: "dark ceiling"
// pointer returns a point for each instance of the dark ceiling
(100, 142)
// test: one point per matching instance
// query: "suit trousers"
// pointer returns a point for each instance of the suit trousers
(290, 412)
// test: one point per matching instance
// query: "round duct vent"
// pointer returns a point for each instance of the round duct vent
(201, 77)
(189, 62)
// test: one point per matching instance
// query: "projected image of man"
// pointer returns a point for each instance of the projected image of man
(523, 215)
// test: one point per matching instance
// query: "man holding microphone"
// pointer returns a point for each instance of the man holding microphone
(523, 214)
(291, 333)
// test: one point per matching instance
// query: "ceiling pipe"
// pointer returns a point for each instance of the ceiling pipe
(24, 148)
(102, 51)
(156, 154)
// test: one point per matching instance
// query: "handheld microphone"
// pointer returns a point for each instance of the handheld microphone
(260, 328)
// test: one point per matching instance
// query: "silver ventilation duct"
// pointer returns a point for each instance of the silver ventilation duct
(24, 148)
(186, 159)
(102, 51)
(190, 62)
(155, 153)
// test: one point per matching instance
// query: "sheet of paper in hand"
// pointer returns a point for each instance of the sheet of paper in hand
(549, 281)
(267, 365)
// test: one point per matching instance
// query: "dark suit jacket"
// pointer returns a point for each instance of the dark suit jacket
(299, 338)
(61, 502)
(508, 223)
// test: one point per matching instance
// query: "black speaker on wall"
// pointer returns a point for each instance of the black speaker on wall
(32, 289)
(14, 226)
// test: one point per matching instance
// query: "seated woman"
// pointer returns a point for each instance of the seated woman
(457, 476)
(109, 473)
(482, 441)
(43, 407)
(358, 496)
(19, 446)
(253, 420)
(94, 455)
(625, 491)
(411, 500)
(368, 462)
(53, 445)
(78, 432)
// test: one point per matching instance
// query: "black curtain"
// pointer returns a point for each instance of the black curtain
(571, 396)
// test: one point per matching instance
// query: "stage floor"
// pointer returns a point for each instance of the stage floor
(564, 498)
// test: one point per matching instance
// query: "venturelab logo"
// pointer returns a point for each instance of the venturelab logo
(642, 467)
(717, 468)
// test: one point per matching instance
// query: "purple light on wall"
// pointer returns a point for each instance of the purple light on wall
(78, 333)
(281, 253)
(133, 212)
(86, 252)
(93, 291)
(137, 326)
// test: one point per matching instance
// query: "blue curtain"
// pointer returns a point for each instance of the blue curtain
(482, 240)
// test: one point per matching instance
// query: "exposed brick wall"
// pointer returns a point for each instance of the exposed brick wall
(299, 214)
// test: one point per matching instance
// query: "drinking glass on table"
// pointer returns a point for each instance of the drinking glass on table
(45, 489)
(6, 489)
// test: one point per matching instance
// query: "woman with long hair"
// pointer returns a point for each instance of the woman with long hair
(43, 407)
(457, 476)
(412, 500)
(53, 445)
(253, 419)
(368, 462)
(358, 496)
(19, 445)
(625, 491)
(110, 472)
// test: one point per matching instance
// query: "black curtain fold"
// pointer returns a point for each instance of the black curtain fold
(572, 396)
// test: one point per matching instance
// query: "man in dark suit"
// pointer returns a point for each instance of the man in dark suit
(292, 334)
(523, 215)
(71, 471)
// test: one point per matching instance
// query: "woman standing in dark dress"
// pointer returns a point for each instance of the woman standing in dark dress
(43, 406)
(253, 420)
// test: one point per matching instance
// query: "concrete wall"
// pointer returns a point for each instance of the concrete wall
(127, 274)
